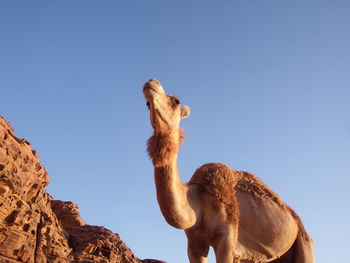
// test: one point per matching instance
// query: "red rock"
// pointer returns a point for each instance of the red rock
(34, 228)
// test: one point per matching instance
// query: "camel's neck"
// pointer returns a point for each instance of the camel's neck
(176, 200)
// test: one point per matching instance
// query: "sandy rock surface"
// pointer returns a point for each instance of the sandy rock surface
(37, 229)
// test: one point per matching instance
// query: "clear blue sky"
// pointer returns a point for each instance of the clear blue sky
(268, 83)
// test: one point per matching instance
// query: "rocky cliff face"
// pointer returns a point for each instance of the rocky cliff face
(37, 229)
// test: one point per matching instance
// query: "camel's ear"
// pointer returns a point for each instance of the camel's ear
(185, 112)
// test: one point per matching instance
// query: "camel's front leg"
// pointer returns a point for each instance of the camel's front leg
(224, 245)
(197, 252)
(224, 252)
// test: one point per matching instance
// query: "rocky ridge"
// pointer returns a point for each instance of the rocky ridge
(34, 227)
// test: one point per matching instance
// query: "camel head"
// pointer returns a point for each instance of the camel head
(165, 110)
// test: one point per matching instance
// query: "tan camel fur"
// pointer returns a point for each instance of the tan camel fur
(231, 211)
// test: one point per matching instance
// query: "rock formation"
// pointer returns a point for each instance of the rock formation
(36, 228)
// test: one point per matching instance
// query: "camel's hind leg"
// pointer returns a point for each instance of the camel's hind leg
(302, 251)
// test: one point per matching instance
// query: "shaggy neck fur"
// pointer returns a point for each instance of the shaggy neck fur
(163, 148)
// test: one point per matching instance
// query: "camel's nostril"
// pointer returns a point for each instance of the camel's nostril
(146, 86)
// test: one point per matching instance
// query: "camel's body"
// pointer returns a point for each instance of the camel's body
(232, 211)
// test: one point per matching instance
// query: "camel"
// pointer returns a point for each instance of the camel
(231, 211)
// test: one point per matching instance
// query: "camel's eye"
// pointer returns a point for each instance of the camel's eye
(148, 105)
(177, 101)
